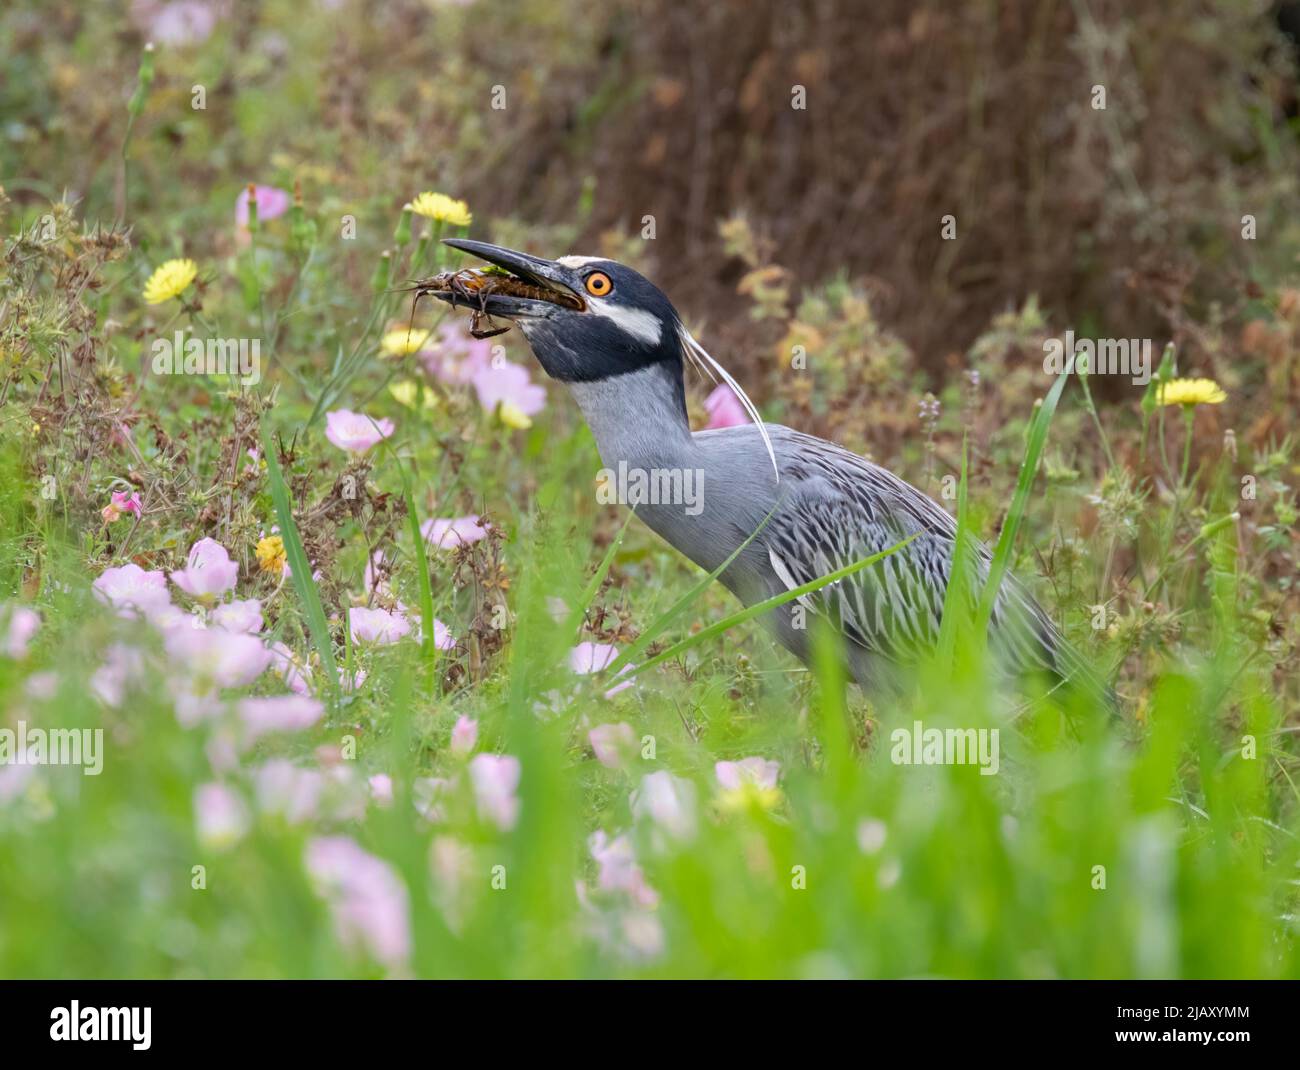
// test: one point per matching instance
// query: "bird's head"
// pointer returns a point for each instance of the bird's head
(586, 318)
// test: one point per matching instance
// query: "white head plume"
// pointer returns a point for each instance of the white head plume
(699, 356)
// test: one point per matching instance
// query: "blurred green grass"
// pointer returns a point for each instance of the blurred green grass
(907, 870)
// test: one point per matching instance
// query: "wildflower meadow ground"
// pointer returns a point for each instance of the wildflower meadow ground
(322, 654)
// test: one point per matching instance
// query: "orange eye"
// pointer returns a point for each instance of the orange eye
(599, 284)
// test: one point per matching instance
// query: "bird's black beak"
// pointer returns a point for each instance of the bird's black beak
(525, 287)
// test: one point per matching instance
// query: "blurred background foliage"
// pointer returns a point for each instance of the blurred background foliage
(1126, 220)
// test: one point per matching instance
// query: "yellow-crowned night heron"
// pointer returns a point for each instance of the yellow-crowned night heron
(617, 343)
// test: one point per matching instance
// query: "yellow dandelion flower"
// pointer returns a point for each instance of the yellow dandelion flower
(1191, 392)
(169, 280)
(402, 341)
(443, 208)
(407, 392)
(270, 554)
(513, 416)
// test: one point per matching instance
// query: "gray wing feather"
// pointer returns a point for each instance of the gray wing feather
(839, 508)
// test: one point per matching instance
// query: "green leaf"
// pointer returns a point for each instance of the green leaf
(956, 604)
(299, 566)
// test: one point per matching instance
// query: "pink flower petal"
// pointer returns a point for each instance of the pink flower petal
(355, 432)
(271, 204)
(130, 588)
(495, 779)
(208, 572)
(756, 772)
(278, 713)
(456, 357)
(367, 898)
(447, 534)
(724, 408)
(508, 382)
(220, 815)
(464, 735)
(237, 616)
(19, 625)
(377, 626)
(614, 744)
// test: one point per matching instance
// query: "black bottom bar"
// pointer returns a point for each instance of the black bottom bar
(336, 1019)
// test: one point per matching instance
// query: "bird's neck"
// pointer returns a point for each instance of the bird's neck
(638, 418)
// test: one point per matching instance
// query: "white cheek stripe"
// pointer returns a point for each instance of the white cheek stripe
(640, 324)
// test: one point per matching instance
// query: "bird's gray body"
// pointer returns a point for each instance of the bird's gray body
(829, 509)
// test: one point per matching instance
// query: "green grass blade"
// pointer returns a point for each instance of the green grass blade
(1036, 440)
(749, 612)
(684, 603)
(427, 647)
(956, 608)
(299, 566)
(602, 570)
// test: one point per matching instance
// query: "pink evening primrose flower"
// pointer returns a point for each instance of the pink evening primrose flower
(447, 534)
(239, 616)
(753, 772)
(132, 588)
(456, 357)
(271, 204)
(381, 789)
(591, 657)
(748, 783)
(453, 868)
(278, 713)
(166, 617)
(613, 744)
(587, 658)
(294, 673)
(42, 686)
(640, 935)
(16, 779)
(176, 22)
(377, 626)
(724, 409)
(287, 791)
(495, 778)
(122, 667)
(208, 573)
(508, 383)
(354, 431)
(618, 870)
(216, 656)
(194, 701)
(442, 637)
(464, 735)
(366, 896)
(220, 816)
(668, 802)
(20, 624)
